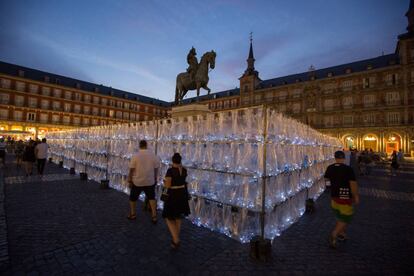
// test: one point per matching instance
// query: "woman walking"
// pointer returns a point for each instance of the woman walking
(29, 157)
(176, 206)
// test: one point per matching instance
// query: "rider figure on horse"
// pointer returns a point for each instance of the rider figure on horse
(192, 62)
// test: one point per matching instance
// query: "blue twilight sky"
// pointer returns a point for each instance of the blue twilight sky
(140, 46)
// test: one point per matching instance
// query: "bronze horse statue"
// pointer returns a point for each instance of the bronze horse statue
(185, 83)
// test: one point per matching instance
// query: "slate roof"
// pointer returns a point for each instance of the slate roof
(37, 75)
(358, 66)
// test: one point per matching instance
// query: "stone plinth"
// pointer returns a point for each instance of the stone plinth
(189, 110)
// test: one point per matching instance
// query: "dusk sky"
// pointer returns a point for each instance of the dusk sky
(140, 46)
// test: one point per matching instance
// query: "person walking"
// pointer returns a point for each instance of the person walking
(176, 206)
(3, 146)
(41, 155)
(394, 163)
(142, 177)
(19, 153)
(29, 157)
(344, 192)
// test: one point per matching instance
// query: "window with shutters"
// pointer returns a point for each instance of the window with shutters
(5, 83)
(103, 112)
(95, 111)
(68, 95)
(86, 109)
(369, 119)
(347, 85)
(393, 118)
(329, 87)
(85, 121)
(67, 107)
(4, 98)
(119, 114)
(296, 92)
(369, 100)
(348, 120)
(391, 79)
(111, 113)
(95, 122)
(104, 101)
(46, 91)
(329, 104)
(55, 118)
(126, 116)
(31, 116)
(96, 100)
(57, 93)
(18, 115)
(66, 120)
(20, 86)
(133, 116)
(33, 88)
(45, 104)
(44, 117)
(347, 102)
(77, 108)
(32, 102)
(393, 98)
(119, 104)
(56, 105)
(76, 120)
(18, 100)
(4, 114)
(87, 98)
(78, 96)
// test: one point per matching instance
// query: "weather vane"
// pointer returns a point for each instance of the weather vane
(251, 36)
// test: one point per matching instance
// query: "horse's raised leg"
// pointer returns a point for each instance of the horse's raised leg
(198, 92)
(206, 88)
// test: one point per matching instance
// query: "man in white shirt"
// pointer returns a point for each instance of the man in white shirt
(41, 155)
(142, 177)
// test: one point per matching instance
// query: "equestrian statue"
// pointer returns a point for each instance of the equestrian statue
(196, 75)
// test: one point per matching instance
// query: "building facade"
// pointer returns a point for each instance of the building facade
(33, 102)
(367, 104)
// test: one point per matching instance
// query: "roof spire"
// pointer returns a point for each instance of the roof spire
(410, 16)
(250, 59)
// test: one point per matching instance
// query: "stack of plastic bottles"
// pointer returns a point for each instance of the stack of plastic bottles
(229, 155)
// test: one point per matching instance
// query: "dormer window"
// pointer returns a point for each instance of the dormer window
(348, 71)
(96, 89)
(78, 85)
(330, 74)
(21, 73)
(369, 67)
(46, 78)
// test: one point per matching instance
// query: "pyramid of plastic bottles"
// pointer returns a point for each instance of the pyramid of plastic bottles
(241, 164)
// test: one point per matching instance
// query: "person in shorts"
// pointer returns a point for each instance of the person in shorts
(142, 177)
(344, 192)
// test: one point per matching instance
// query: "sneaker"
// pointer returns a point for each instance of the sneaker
(332, 242)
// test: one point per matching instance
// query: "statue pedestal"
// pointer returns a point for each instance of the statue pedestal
(189, 110)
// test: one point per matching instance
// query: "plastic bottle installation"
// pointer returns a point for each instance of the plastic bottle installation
(250, 170)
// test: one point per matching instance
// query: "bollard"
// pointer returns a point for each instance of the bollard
(260, 249)
(60, 164)
(72, 171)
(104, 184)
(83, 176)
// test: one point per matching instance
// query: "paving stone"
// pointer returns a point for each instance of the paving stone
(67, 226)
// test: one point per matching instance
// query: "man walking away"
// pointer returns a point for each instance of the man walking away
(41, 155)
(344, 192)
(142, 177)
(3, 151)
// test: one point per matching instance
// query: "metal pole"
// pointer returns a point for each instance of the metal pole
(264, 178)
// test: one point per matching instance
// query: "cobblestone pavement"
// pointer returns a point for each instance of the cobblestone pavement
(68, 226)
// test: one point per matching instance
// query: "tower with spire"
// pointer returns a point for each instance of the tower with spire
(250, 80)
